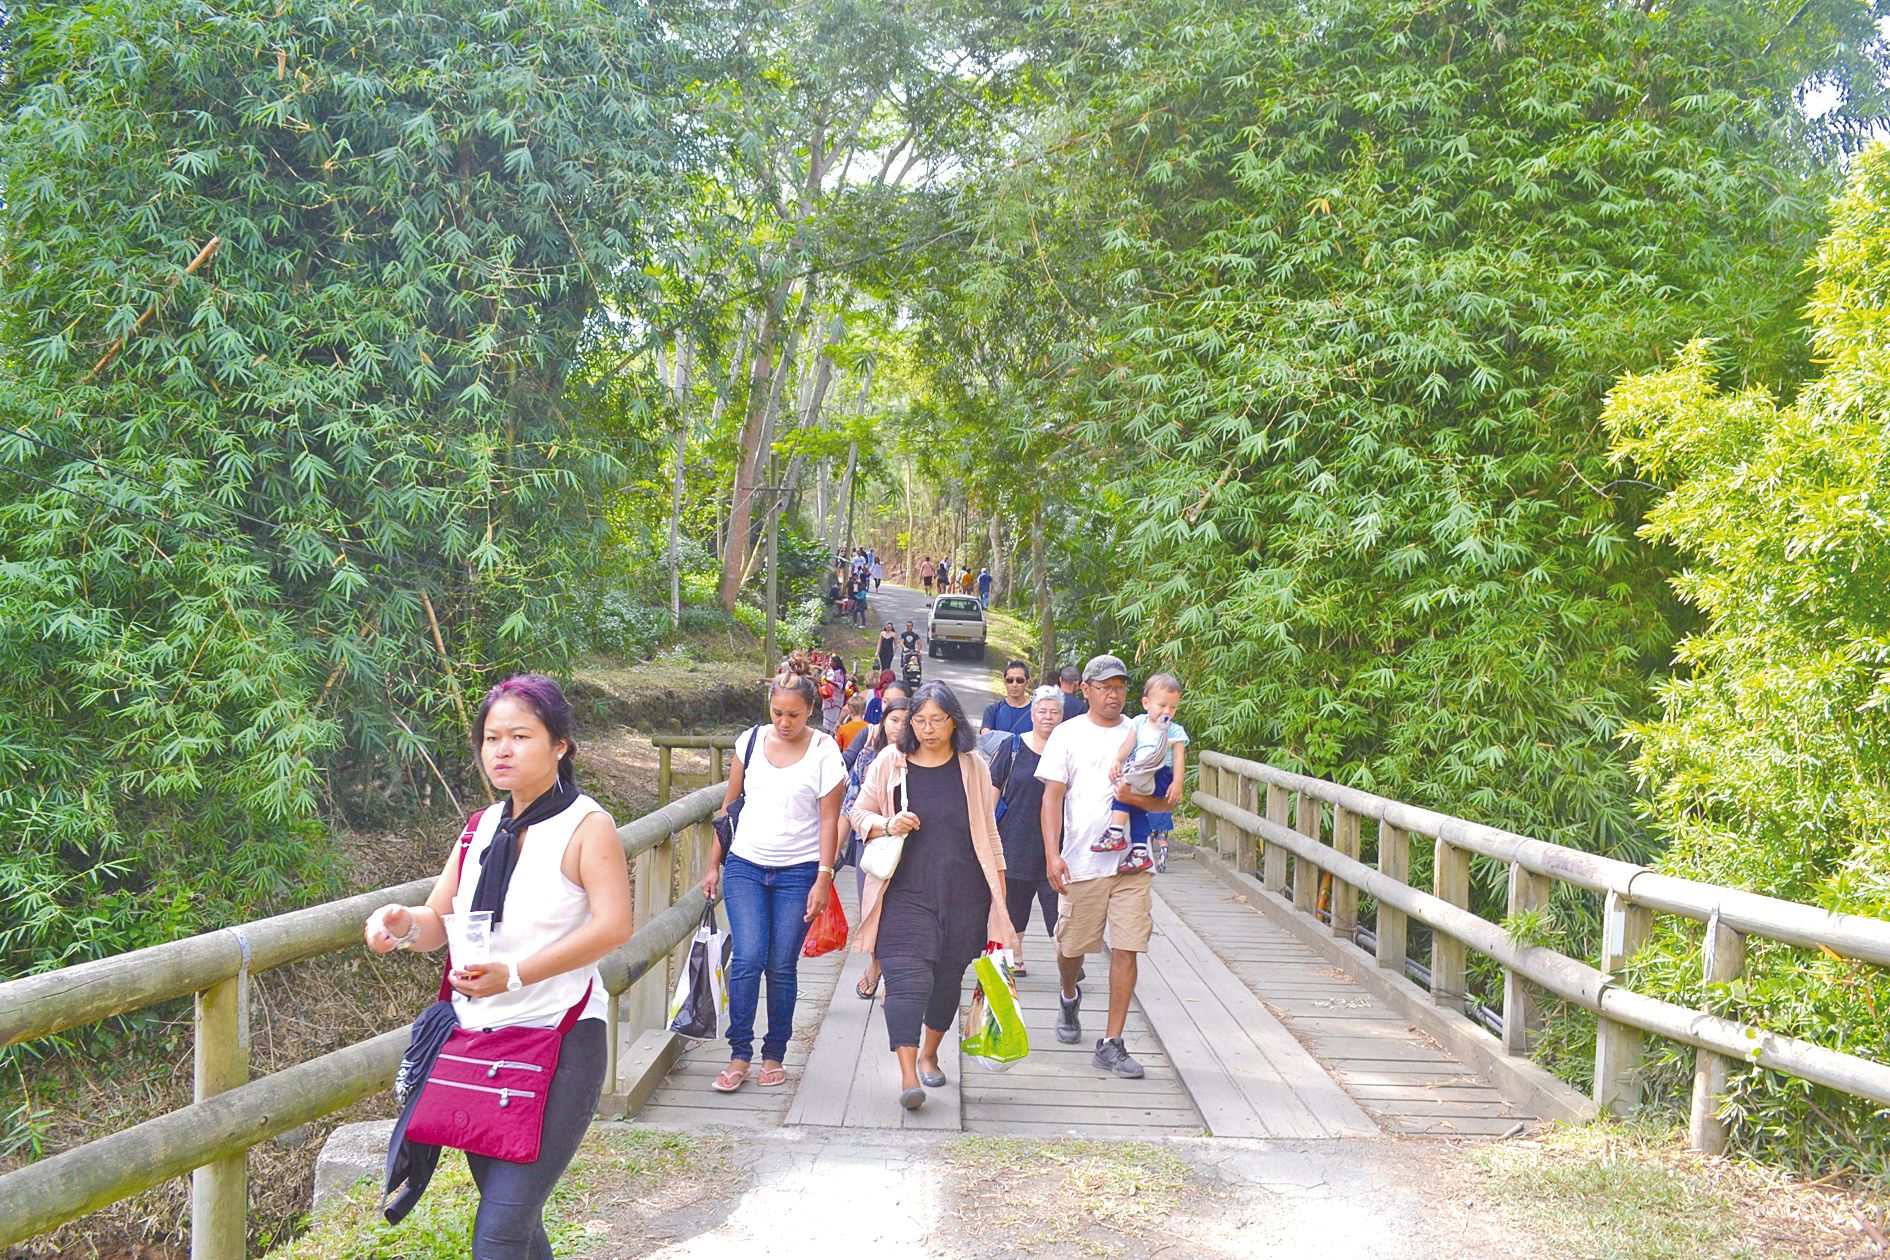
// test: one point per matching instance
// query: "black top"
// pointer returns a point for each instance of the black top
(909, 639)
(1014, 774)
(937, 902)
(886, 644)
(1074, 706)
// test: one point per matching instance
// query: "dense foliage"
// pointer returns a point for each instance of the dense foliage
(1769, 758)
(1372, 267)
(251, 505)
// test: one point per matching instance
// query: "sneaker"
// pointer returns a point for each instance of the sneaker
(1135, 861)
(1160, 839)
(1069, 1026)
(1113, 840)
(1112, 1056)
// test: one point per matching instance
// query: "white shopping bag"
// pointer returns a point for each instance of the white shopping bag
(701, 998)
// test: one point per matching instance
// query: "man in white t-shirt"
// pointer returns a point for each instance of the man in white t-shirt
(1077, 799)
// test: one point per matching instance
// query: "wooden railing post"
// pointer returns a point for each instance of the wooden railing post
(1624, 929)
(716, 774)
(1345, 840)
(1450, 882)
(1394, 862)
(1725, 962)
(1305, 874)
(1210, 826)
(219, 1192)
(1522, 1011)
(1247, 855)
(665, 775)
(644, 1003)
(1272, 856)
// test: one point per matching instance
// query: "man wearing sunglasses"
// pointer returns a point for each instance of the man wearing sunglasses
(1012, 713)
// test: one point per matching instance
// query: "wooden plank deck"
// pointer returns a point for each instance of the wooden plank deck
(1410, 1084)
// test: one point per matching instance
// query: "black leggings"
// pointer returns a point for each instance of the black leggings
(1019, 893)
(511, 1220)
(915, 989)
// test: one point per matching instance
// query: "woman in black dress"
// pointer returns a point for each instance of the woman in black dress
(946, 899)
(1020, 816)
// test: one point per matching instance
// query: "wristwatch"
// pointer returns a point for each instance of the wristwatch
(512, 983)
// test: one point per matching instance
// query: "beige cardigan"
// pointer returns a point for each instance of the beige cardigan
(873, 806)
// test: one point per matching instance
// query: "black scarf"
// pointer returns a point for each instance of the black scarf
(501, 856)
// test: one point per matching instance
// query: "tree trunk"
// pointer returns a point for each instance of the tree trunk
(1000, 575)
(1046, 619)
(685, 361)
(752, 450)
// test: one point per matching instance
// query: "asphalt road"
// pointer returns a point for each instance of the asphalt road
(974, 681)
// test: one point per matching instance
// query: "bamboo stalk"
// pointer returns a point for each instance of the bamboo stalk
(204, 255)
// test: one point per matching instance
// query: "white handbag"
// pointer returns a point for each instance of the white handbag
(882, 854)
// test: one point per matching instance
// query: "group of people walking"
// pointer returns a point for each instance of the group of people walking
(1049, 822)
(948, 576)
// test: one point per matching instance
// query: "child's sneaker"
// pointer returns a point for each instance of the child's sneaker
(1114, 840)
(1136, 859)
(1159, 842)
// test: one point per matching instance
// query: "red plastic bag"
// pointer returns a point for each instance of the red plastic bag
(828, 932)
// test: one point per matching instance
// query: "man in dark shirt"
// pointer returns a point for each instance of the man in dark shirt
(1073, 703)
(910, 640)
(1012, 713)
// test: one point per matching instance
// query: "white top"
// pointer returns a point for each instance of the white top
(1078, 754)
(542, 907)
(780, 822)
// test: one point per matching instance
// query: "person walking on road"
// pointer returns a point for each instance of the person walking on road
(947, 898)
(927, 571)
(778, 874)
(1011, 712)
(1020, 817)
(887, 647)
(984, 588)
(1077, 799)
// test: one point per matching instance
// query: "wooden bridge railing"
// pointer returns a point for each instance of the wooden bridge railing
(212, 1135)
(1316, 825)
(670, 780)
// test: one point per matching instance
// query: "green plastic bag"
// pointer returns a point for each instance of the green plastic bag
(994, 1025)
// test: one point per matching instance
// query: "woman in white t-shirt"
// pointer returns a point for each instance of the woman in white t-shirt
(779, 872)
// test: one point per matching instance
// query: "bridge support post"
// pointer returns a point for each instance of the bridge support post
(1272, 856)
(1725, 962)
(1394, 863)
(643, 1003)
(1450, 881)
(219, 1192)
(1624, 929)
(1247, 857)
(1345, 841)
(665, 775)
(1210, 826)
(1522, 1010)
(1305, 874)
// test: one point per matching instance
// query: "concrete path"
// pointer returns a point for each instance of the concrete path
(974, 681)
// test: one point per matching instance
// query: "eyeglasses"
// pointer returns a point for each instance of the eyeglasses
(928, 723)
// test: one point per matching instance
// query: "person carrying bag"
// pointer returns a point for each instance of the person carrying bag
(509, 1064)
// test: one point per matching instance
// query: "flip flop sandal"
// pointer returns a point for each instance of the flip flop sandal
(729, 1080)
(1018, 970)
(864, 993)
(771, 1077)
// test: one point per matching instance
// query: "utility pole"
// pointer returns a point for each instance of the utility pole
(771, 657)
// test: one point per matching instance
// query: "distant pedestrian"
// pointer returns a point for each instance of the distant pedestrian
(890, 688)
(967, 581)
(927, 571)
(1073, 703)
(887, 647)
(910, 640)
(932, 919)
(778, 874)
(1020, 821)
(833, 695)
(878, 570)
(1077, 799)
(984, 588)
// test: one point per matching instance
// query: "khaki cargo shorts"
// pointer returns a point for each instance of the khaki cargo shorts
(1118, 902)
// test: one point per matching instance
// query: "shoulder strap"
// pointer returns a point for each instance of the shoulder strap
(465, 843)
(576, 1012)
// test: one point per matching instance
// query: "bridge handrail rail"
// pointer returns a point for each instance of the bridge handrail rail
(1633, 893)
(223, 1124)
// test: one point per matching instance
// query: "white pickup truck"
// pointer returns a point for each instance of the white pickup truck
(956, 622)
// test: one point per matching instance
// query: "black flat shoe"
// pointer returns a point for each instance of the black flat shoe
(912, 1099)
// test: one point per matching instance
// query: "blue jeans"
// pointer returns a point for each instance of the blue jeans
(767, 909)
(1141, 821)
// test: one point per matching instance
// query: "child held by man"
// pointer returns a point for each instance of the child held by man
(1154, 749)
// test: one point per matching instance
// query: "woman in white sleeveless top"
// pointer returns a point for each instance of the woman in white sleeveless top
(548, 864)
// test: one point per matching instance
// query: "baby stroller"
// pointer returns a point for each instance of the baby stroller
(914, 667)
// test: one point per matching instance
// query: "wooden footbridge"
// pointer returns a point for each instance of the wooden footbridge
(1298, 987)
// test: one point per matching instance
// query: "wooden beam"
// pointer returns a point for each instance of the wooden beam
(1624, 930)
(1450, 883)
(1305, 874)
(1394, 862)
(1522, 1008)
(1345, 839)
(1272, 856)
(1725, 962)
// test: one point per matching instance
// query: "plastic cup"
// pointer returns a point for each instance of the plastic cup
(469, 937)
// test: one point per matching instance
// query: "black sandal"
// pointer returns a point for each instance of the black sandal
(865, 994)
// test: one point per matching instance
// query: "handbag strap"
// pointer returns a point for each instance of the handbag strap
(465, 843)
(571, 1016)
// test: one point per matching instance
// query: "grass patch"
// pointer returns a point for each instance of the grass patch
(611, 1165)
(1630, 1190)
(1064, 1197)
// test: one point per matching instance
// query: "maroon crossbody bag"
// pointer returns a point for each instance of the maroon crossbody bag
(487, 1089)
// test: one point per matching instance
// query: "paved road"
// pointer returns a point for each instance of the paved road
(974, 681)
